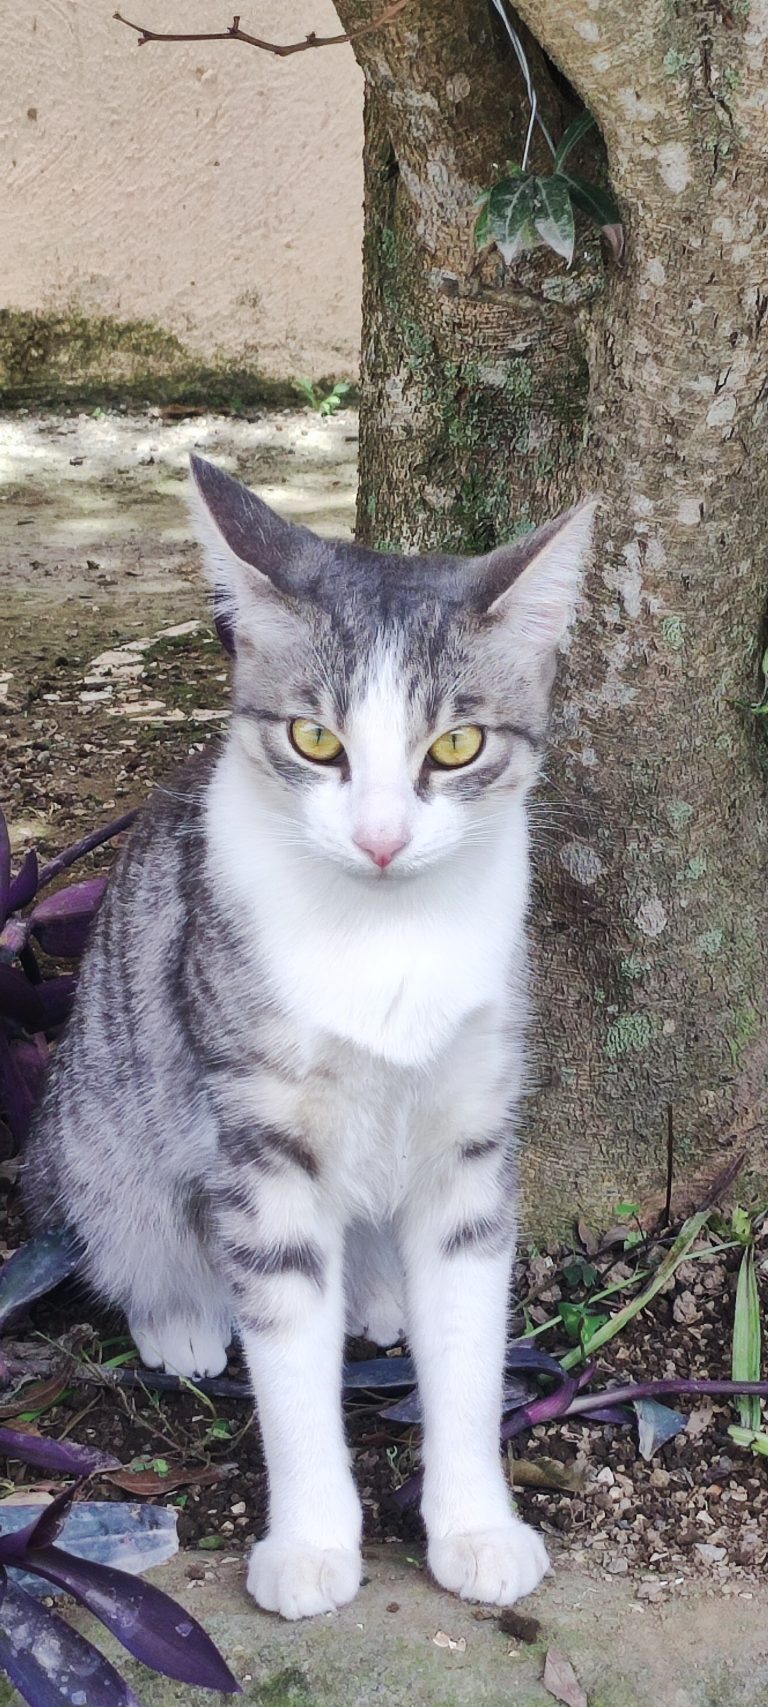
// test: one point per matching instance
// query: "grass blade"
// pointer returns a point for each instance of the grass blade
(687, 1236)
(747, 1338)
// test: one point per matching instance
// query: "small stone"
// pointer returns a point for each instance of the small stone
(751, 1548)
(659, 1478)
(238, 1508)
(650, 1591)
(708, 1554)
(605, 1476)
(618, 1565)
(685, 1309)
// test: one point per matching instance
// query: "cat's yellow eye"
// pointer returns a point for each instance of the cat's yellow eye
(313, 741)
(457, 747)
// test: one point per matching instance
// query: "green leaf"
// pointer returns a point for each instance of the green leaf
(581, 1324)
(574, 134)
(509, 215)
(599, 206)
(756, 1439)
(741, 1225)
(308, 389)
(625, 1211)
(553, 216)
(572, 1316)
(580, 1273)
(747, 1339)
(687, 1236)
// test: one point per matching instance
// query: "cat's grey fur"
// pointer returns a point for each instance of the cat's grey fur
(288, 1086)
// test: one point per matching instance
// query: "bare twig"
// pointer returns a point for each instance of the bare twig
(667, 1211)
(281, 49)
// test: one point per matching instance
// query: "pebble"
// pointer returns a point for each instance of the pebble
(685, 1309)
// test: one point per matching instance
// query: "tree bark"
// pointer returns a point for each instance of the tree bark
(490, 400)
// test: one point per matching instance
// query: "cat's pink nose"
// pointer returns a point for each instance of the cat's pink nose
(381, 849)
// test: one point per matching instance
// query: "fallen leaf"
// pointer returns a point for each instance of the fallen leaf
(545, 1473)
(700, 1419)
(29, 1496)
(441, 1639)
(145, 1483)
(590, 1240)
(37, 1395)
(561, 1681)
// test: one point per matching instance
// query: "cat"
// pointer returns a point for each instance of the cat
(286, 1097)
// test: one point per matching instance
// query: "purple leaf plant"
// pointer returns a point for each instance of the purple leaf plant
(48, 1661)
(33, 1008)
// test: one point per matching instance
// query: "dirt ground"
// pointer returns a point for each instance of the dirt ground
(110, 675)
(97, 555)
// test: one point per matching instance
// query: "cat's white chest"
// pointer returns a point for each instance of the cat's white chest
(392, 967)
(397, 990)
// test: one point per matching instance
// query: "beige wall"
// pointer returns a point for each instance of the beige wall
(207, 186)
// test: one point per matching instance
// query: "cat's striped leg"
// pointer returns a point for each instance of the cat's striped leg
(457, 1243)
(283, 1255)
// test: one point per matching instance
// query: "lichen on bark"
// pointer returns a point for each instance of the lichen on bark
(486, 405)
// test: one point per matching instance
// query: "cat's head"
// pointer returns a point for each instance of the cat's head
(389, 706)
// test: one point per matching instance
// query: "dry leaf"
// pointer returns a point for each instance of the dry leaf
(561, 1681)
(545, 1473)
(29, 1496)
(145, 1483)
(37, 1395)
(590, 1240)
(441, 1639)
(700, 1419)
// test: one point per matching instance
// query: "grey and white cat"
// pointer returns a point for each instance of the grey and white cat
(286, 1098)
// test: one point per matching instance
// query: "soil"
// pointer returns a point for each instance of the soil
(698, 1508)
(112, 676)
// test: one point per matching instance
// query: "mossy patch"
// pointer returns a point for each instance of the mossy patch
(631, 1031)
(286, 1689)
(69, 358)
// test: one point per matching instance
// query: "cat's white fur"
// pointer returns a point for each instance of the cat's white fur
(398, 1002)
(401, 986)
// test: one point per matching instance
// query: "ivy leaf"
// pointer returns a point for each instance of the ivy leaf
(571, 136)
(507, 218)
(553, 216)
(599, 206)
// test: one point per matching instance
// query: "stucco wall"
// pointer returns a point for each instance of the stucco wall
(209, 187)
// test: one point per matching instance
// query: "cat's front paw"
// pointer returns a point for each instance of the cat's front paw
(299, 1581)
(187, 1348)
(497, 1566)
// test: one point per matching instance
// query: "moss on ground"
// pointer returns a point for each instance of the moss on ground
(71, 359)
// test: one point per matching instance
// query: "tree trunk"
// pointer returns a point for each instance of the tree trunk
(490, 400)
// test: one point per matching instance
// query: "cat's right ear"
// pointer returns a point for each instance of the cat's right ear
(250, 553)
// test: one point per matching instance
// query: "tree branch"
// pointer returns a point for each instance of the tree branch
(282, 49)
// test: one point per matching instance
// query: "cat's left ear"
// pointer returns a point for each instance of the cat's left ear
(534, 584)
